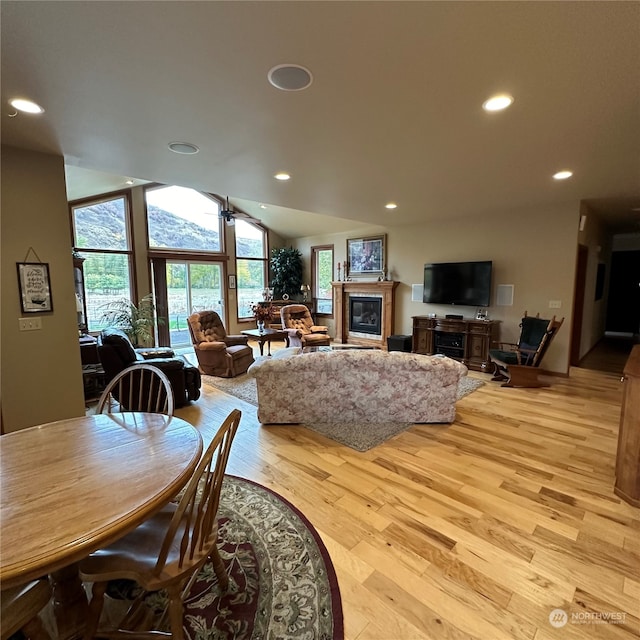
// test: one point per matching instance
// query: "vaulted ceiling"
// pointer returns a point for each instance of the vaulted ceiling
(394, 112)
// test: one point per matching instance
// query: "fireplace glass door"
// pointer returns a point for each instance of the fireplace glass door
(364, 315)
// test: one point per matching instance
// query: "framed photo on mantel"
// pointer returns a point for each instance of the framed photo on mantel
(366, 257)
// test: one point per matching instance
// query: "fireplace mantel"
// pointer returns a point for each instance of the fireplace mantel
(341, 293)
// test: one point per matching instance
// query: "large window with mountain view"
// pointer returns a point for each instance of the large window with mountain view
(251, 265)
(101, 236)
(183, 219)
(184, 225)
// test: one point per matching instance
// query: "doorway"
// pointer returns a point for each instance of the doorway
(623, 306)
(191, 286)
(622, 320)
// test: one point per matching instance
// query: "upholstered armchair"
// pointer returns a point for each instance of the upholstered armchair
(219, 354)
(298, 323)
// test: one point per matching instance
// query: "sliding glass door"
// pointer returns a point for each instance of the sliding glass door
(191, 286)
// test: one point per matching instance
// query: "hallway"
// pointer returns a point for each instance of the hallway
(610, 354)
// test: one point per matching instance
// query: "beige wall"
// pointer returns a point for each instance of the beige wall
(595, 237)
(41, 374)
(538, 259)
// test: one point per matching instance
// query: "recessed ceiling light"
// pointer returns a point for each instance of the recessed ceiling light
(263, 206)
(562, 175)
(185, 148)
(498, 103)
(290, 77)
(390, 205)
(26, 105)
(129, 182)
(282, 176)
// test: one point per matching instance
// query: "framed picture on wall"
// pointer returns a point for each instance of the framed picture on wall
(35, 287)
(366, 256)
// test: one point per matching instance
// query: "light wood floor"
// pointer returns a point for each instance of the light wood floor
(479, 529)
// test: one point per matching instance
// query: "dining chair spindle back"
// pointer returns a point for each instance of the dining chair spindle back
(140, 387)
(168, 550)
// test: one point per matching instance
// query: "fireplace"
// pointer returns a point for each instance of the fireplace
(354, 306)
(365, 315)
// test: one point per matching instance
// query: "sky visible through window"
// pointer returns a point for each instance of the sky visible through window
(187, 204)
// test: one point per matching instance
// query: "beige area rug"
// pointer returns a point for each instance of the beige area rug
(358, 436)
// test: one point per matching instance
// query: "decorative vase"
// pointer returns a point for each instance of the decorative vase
(260, 325)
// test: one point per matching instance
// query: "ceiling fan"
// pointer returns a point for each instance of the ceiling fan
(228, 214)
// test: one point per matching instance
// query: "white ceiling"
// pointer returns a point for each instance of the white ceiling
(394, 111)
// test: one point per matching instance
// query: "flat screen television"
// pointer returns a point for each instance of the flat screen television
(462, 283)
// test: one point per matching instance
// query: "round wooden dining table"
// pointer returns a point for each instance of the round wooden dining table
(73, 486)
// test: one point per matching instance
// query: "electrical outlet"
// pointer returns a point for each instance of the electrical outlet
(30, 324)
(555, 304)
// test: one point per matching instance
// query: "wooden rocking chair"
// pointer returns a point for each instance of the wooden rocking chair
(518, 364)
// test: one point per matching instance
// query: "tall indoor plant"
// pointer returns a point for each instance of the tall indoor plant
(137, 321)
(286, 270)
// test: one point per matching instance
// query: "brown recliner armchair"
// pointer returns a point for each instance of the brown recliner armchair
(117, 353)
(298, 323)
(219, 354)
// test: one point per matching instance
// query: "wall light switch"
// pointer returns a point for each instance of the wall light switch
(555, 304)
(30, 324)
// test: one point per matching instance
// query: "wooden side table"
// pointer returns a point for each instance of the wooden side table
(92, 372)
(89, 350)
(268, 336)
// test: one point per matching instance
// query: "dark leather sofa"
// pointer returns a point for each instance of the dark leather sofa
(116, 353)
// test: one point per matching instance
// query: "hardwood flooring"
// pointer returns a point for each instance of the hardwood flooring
(479, 529)
(610, 354)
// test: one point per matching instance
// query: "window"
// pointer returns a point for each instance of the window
(182, 219)
(102, 237)
(251, 265)
(322, 276)
(191, 286)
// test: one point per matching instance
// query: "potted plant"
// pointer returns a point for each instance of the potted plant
(286, 269)
(137, 321)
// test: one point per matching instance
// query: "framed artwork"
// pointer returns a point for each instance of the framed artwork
(232, 281)
(35, 287)
(366, 256)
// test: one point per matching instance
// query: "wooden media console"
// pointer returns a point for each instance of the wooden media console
(465, 340)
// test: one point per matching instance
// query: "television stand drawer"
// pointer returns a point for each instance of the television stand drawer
(450, 326)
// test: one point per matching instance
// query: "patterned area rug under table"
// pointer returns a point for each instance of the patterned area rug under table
(282, 581)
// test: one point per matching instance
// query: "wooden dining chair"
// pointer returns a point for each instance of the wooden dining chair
(168, 550)
(20, 607)
(140, 387)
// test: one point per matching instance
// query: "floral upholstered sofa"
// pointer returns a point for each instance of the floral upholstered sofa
(357, 386)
